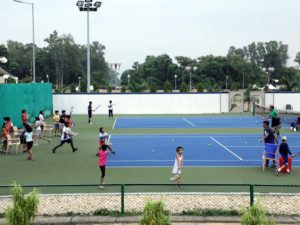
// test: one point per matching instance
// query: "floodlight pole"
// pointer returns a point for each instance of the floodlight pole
(33, 38)
(88, 51)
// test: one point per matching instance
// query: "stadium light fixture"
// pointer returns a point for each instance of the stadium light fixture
(269, 72)
(33, 39)
(87, 6)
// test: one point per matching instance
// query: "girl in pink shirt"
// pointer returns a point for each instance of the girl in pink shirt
(102, 162)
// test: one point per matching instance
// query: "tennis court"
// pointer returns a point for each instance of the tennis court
(228, 150)
(190, 122)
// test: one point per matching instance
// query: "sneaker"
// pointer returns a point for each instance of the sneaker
(267, 166)
(277, 172)
(101, 187)
(113, 152)
(30, 158)
(91, 123)
(273, 166)
(75, 149)
(97, 154)
(290, 172)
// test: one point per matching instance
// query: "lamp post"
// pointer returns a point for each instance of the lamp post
(226, 82)
(47, 76)
(128, 79)
(269, 72)
(33, 40)
(79, 83)
(87, 6)
(175, 76)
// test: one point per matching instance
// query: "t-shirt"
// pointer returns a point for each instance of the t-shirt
(274, 113)
(110, 106)
(90, 108)
(28, 136)
(271, 138)
(103, 137)
(66, 133)
(38, 125)
(41, 117)
(24, 118)
(62, 118)
(4, 133)
(102, 158)
(284, 149)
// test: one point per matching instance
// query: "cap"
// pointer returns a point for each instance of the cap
(283, 138)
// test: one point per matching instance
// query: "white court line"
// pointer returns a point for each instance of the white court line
(227, 149)
(189, 122)
(253, 146)
(113, 127)
(186, 160)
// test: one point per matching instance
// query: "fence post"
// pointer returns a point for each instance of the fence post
(251, 194)
(122, 198)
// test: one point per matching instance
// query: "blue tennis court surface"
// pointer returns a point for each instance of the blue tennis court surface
(199, 150)
(189, 122)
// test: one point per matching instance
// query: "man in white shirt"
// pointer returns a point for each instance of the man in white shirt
(66, 137)
(110, 109)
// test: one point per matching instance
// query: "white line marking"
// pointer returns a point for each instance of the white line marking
(113, 127)
(189, 122)
(219, 143)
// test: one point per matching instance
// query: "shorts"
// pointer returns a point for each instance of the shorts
(69, 140)
(102, 169)
(275, 122)
(61, 126)
(56, 125)
(90, 114)
(29, 144)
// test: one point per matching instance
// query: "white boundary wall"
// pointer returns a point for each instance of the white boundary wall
(281, 99)
(157, 103)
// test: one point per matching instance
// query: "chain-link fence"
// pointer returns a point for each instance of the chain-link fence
(124, 198)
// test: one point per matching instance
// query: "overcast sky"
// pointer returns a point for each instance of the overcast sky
(132, 29)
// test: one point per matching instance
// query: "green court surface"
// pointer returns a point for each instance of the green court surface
(81, 167)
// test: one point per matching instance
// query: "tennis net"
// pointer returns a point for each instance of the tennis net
(286, 116)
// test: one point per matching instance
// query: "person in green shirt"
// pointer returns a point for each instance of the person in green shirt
(275, 120)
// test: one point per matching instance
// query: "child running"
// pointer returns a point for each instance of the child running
(4, 135)
(284, 151)
(29, 142)
(56, 123)
(24, 117)
(66, 137)
(178, 165)
(102, 163)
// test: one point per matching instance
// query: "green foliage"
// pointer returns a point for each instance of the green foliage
(72, 88)
(255, 215)
(234, 86)
(123, 89)
(95, 86)
(200, 87)
(168, 86)
(109, 89)
(24, 208)
(83, 86)
(155, 214)
(216, 88)
(210, 212)
(152, 87)
(184, 87)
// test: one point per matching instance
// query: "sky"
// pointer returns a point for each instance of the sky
(132, 29)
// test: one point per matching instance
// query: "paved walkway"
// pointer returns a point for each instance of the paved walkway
(134, 220)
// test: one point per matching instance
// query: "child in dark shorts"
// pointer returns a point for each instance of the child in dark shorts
(284, 151)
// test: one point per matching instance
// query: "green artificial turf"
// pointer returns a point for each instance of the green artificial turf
(81, 167)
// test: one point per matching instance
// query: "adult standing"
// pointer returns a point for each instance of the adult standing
(90, 111)
(268, 138)
(275, 120)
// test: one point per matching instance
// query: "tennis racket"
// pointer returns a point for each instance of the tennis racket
(295, 155)
(71, 110)
(174, 177)
(97, 107)
(107, 140)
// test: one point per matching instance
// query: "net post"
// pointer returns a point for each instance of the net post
(251, 195)
(122, 198)
(253, 109)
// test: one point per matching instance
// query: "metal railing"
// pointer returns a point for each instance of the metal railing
(126, 198)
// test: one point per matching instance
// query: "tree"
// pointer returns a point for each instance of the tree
(152, 87)
(72, 88)
(200, 87)
(168, 86)
(95, 86)
(297, 59)
(184, 87)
